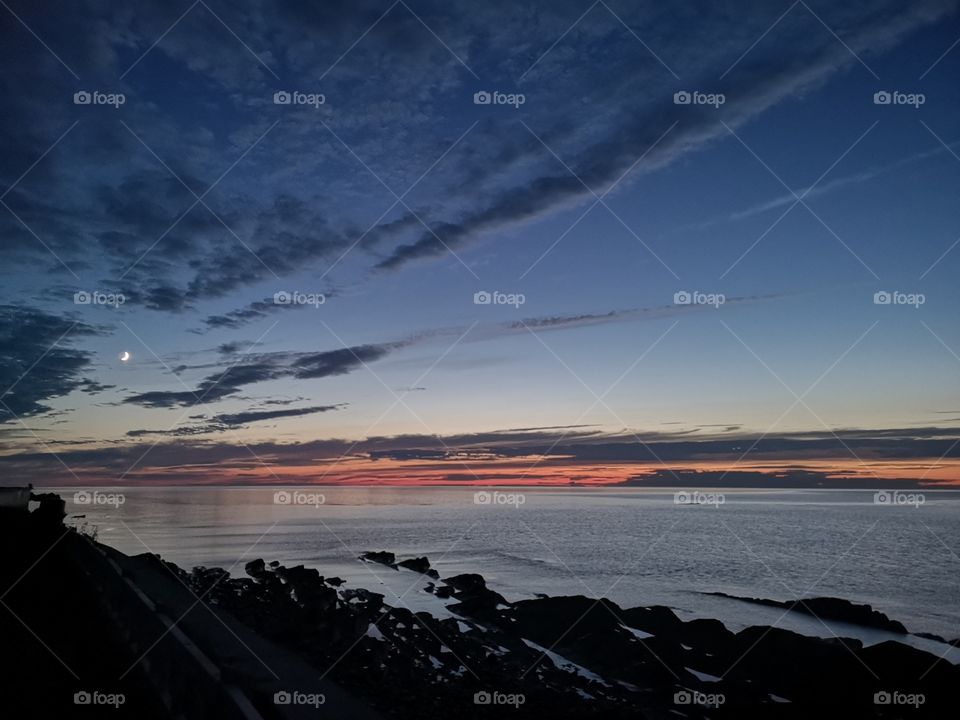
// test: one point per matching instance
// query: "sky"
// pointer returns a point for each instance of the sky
(435, 242)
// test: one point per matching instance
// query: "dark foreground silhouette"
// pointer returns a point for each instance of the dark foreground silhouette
(85, 626)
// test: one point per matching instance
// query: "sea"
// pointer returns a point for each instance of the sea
(895, 552)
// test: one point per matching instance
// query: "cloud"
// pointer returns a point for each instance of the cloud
(340, 362)
(642, 130)
(92, 387)
(37, 363)
(235, 346)
(499, 454)
(787, 478)
(291, 200)
(231, 421)
(261, 367)
(563, 322)
(256, 415)
(106, 198)
(826, 188)
(212, 388)
(267, 366)
(254, 311)
(238, 318)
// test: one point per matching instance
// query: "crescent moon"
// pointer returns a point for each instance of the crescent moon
(124, 356)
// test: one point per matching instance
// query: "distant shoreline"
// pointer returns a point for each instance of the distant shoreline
(623, 485)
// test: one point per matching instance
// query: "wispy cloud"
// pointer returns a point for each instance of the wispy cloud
(231, 421)
(263, 367)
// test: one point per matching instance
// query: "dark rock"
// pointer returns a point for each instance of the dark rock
(893, 661)
(476, 600)
(335, 581)
(382, 557)
(552, 616)
(364, 596)
(789, 664)
(443, 591)
(828, 608)
(403, 615)
(299, 573)
(420, 564)
(592, 633)
(482, 607)
(307, 589)
(425, 618)
(420, 666)
(703, 631)
(656, 619)
(206, 578)
(467, 582)
(846, 611)
(256, 568)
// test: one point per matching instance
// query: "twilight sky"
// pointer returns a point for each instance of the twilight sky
(716, 239)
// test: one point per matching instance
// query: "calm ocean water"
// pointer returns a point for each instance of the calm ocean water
(636, 547)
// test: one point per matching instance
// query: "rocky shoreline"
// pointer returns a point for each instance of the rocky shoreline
(567, 656)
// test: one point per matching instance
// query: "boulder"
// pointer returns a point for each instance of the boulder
(364, 596)
(829, 608)
(420, 565)
(256, 568)
(571, 615)
(656, 619)
(381, 557)
(467, 582)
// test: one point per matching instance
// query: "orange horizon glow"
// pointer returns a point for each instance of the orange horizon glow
(550, 472)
